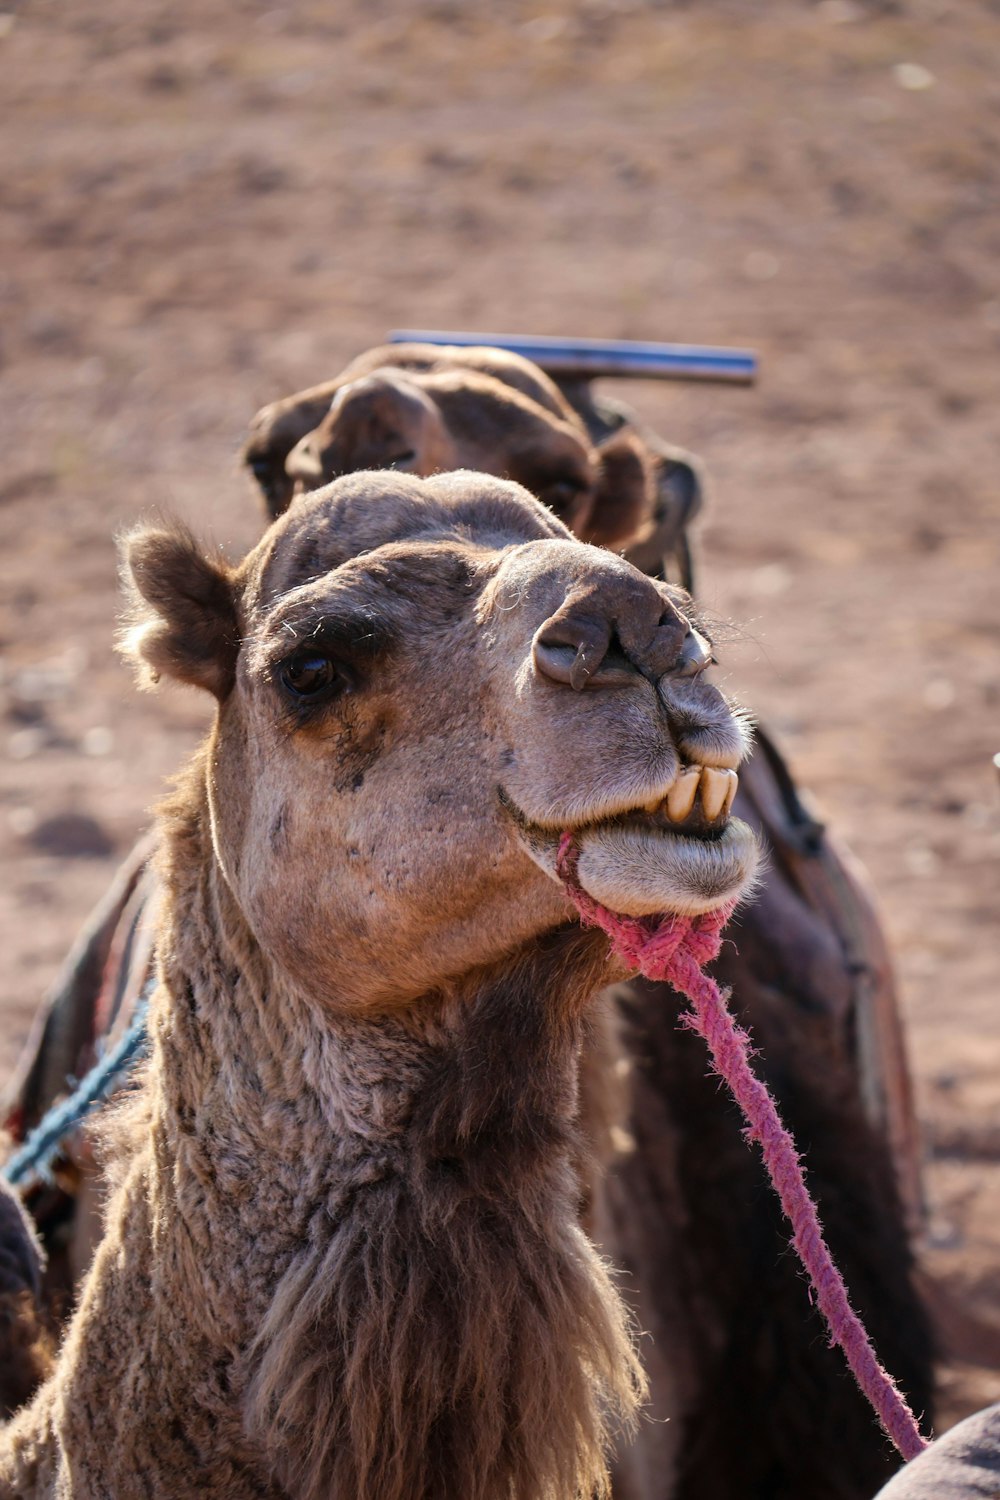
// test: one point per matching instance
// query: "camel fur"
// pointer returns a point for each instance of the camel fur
(23, 1336)
(344, 1258)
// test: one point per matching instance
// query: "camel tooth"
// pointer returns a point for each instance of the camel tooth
(714, 788)
(726, 760)
(680, 798)
(734, 782)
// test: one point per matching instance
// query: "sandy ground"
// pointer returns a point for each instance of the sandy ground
(205, 206)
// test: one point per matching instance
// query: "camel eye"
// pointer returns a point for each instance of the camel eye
(561, 495)
(309, 673)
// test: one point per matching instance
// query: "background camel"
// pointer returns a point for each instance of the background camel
(683, 1205)
(423, 409)
(344, 1257)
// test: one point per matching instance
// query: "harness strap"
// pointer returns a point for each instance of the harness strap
(33, 1161)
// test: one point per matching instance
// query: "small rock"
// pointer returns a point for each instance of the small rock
(22, 821)
(921, 860)
(761, 265)
(770, 580)
(839, 12)
(943, 1235)
(939, 693)
(913, 76)
(543, 29)
(24, 743)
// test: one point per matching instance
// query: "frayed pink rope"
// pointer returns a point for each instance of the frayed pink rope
(674, 949)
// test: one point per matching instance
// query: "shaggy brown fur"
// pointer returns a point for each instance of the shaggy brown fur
(28, 1349)
(26, 1343)
(345, 1258)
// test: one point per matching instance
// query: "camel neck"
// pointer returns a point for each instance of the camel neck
(345, 1257)
(385, 1210)
(283, 1109)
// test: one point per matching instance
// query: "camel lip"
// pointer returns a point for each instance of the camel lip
(694, 826)
(638, 867)
(694, 804)
(651, 816)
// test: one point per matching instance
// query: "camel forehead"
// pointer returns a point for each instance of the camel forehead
(382, 390)
(360, 514)
(469, 396)
(502, 368)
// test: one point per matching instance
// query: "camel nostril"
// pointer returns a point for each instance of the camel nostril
(579, 652)
(567, 661)
(559, 664)
(695, 655)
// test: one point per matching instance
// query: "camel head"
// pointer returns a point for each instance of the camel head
(421, 683)
(422, 409)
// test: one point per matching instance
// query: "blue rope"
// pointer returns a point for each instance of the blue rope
(43, 1145)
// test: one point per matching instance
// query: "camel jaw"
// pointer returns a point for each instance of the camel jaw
(641, 861)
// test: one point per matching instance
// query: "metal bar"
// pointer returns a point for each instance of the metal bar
(588, 358)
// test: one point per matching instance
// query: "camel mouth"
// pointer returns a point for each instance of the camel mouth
(695, 804)
(677, 851)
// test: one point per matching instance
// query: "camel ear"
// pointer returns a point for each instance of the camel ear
(184, 621)
(624, 491)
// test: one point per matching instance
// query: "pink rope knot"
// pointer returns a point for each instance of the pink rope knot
(661, 941)
(675, 949)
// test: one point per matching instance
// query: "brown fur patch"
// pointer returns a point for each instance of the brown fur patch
(456, 1334)
(28, 1349)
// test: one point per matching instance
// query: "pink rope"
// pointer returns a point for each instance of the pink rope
(675, 949)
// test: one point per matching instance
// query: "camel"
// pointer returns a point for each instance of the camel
(423, 410)
(761, 1398)
(344, 1255)
(735, 1358)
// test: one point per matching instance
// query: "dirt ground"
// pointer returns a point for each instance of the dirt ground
(205, 206)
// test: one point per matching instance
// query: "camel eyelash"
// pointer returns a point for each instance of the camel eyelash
(354, 637)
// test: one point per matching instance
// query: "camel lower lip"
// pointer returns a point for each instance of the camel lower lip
(642, 868)
(644, 871)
